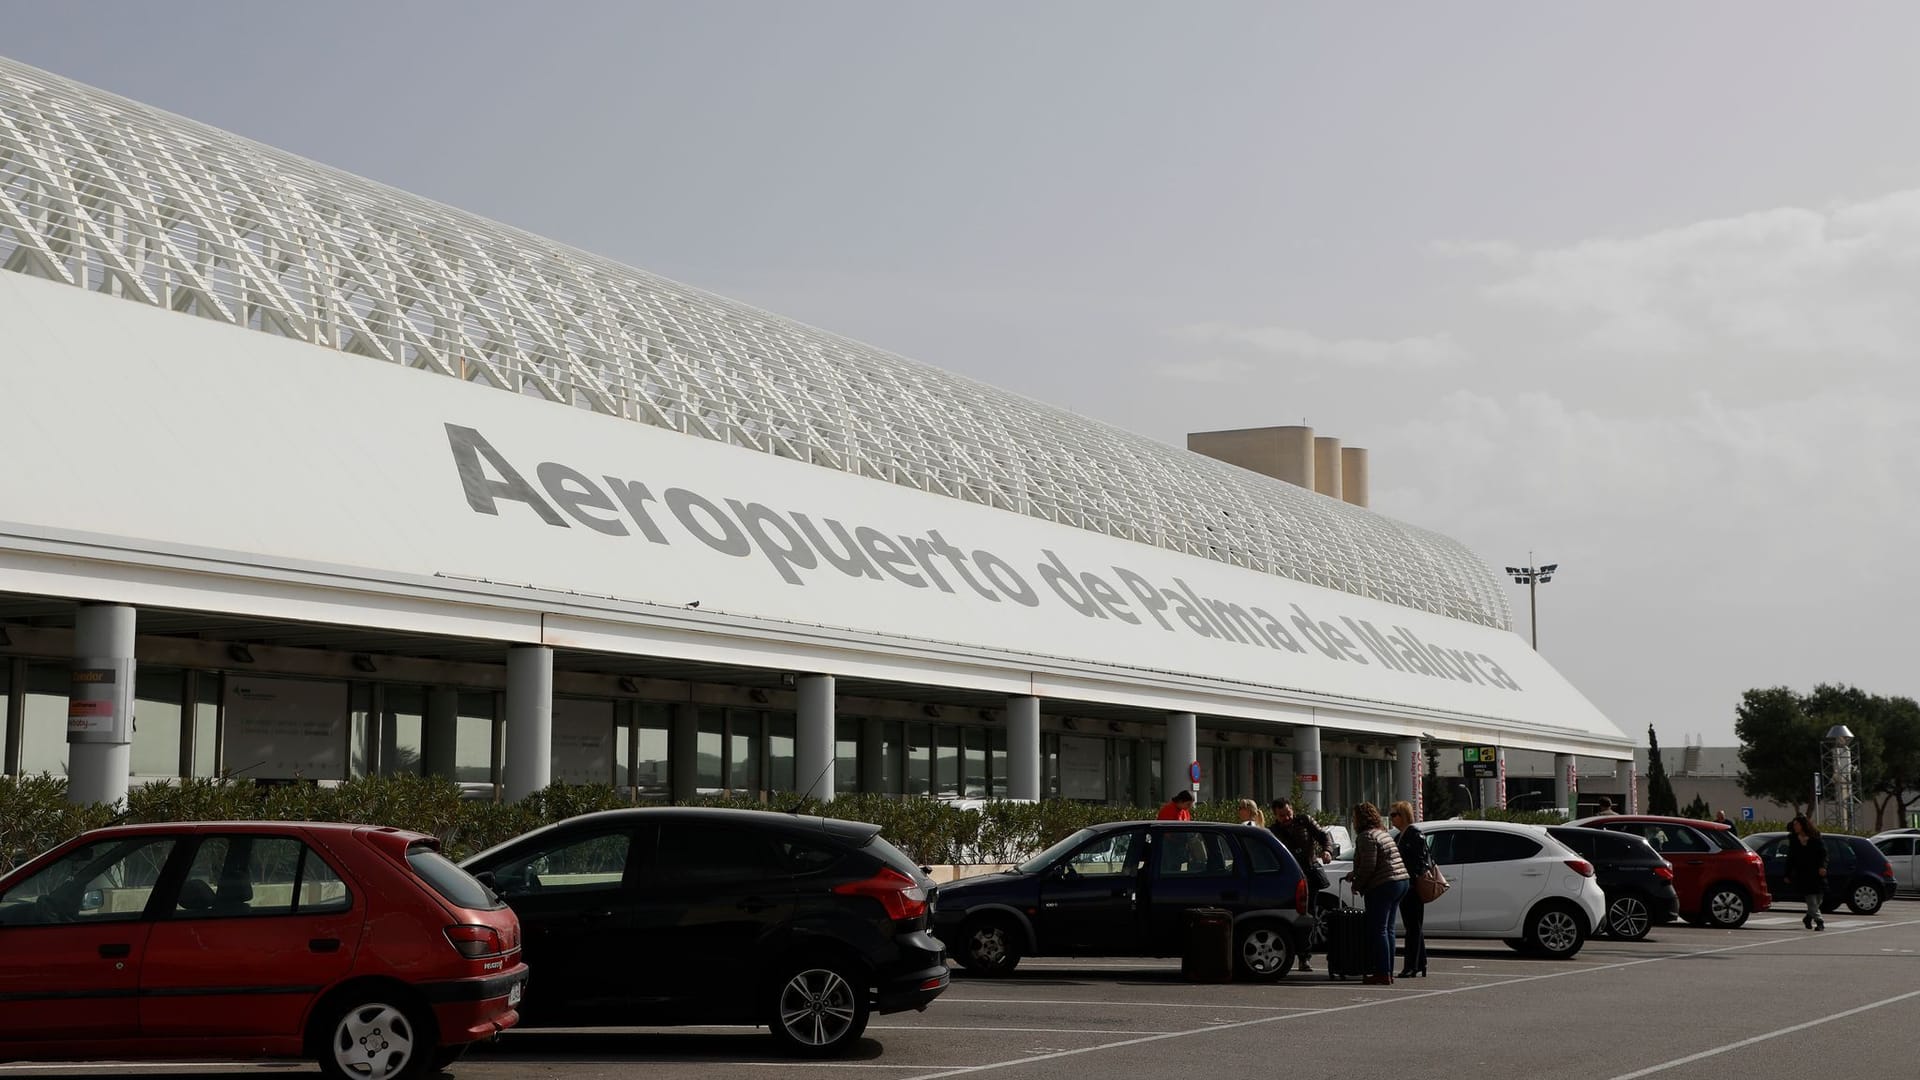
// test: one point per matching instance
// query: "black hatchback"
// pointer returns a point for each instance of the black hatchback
(1858, 873)
(1124, 889)
(706, 916)
(1637, 881)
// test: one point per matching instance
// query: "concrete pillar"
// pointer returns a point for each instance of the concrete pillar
(813, 743)
(529, 764)
(873, 749)
(683, 753)
(1246, 780)
(441, 732)
(1182, 750)
(1023, 748)
(389, 759)
(1353, 475)
(1306, 766)
(1406, 773)
(1326, 466)
(1625, 778)
(100, 705)
(1566, 783)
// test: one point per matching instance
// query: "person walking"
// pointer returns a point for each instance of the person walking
(1381, 877)
(1311, 847)
(1807, 868)
(1413, 910)
(1250, 814)
(1178, 808)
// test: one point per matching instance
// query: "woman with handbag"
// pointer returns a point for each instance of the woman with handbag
(1380, 877)
(1413, 906)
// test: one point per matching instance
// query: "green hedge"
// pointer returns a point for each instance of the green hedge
(35, 814)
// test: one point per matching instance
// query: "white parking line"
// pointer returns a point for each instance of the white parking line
(1031, 1031)
(948, 1000)
(1395, 997)
(1718, 1050)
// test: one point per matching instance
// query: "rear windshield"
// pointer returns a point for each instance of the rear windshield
(1726, 839)
(454, 884)
(892, 856)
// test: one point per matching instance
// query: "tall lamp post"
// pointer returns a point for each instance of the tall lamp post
(1533, 577)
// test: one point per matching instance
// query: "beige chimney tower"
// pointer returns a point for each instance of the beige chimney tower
(1326, 466)
(1284, 453)
(1353, 475)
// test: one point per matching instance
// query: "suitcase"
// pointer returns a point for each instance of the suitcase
(1209, 953)
(1346, 943)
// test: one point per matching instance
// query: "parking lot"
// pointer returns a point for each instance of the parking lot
(1770, 1000)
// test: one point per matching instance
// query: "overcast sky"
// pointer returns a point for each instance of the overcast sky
(1635, 287)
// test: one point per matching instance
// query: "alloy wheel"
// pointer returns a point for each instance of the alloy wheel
(1557, 932)
(1729, 908)
(373, 1040)
(817, 1007)
(1628, 918)
(1265, 952)
(989, 944)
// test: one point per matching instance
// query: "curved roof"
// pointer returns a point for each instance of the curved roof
(111, 195)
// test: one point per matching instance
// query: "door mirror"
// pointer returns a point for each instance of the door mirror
(93, 900)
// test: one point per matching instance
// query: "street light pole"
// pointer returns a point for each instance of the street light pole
(1533, 577)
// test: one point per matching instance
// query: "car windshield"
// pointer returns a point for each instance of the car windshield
(1041, 861)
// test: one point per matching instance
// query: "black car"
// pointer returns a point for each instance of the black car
(1637, 881)
(1858, 874)
(707, 916)
(1123, 889)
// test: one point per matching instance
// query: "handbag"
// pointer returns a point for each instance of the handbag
(1431, 884)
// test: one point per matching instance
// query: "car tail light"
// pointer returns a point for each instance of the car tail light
(1300, 896)
(1754, 858)
(1886, 870)
(475, 942)
(1581, 867)
(1663, 872)
(899, 894)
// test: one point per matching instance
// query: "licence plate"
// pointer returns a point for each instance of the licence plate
(513, 994)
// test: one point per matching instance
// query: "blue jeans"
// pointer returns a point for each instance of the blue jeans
(1383, 903)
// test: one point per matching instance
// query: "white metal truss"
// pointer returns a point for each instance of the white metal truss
(110, 195)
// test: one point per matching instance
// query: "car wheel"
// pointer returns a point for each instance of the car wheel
(1864, 899)
(1628, 918)
(1555, 931)
(819, 1008)
(1264, 951)
(374, 1037)
(989, 946)
(1727, 907)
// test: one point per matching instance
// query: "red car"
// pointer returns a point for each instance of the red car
(359, 947)
(1719, 881)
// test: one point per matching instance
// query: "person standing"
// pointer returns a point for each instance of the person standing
(1413, 910)
(1380, 877)
(1311, 847)
(1807, 868)
(1250, 814)
(1178, 808)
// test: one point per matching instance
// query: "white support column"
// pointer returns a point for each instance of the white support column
(813, 742)
(529, 764)
(1182, 750)
(1626, 778)
(1566, 784)
(683, 752)
(1023, 748)
(1406, 773)
(100, 704)
(1306, 766)
(442, 734)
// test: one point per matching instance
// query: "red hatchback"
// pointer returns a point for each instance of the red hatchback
(1718, 880)
(359, 947)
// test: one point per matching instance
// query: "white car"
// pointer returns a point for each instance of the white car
(1510, 882)
(1902, 849)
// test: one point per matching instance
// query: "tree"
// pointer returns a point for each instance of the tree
(1898, 777)
(1779, 746)
(1697, 809)
(1660, 797)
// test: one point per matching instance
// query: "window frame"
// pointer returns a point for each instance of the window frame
(190, 852)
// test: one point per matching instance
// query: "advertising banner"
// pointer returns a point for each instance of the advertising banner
(282, 729)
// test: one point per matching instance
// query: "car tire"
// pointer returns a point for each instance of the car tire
(1555, 931)
(1263, 951)
(990, 945)
(818, 1007)
(1727, 907)
(1628, 918)
(1864, 898)
(374, 1034)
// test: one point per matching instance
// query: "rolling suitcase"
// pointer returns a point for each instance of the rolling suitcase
(1209, 953)
(1346, 942)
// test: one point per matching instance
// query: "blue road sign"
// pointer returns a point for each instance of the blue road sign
(1746, 813)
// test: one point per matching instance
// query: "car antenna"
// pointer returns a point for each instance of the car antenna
(794, 810)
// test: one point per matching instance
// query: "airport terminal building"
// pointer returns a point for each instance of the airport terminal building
(309, 478)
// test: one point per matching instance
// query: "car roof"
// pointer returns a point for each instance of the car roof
(323, 827)
(1490, 826)
(1655, 819)
(850, 832)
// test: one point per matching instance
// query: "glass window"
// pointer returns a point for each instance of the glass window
(453, 884)
(1675, 838)
(568, 862)
(710, 752)
(1186, 853)
(919, 759)
(743, 753)
(997, 763)
(893, 756)
(1472, 845)
(258, 875)
(158, 693)
(693, 852)
(1263, 857)
(1117, 854)
(43, 743)
(363, 730)
(106, 881)
(946, 761)
(780, 728)
(473, 738)
(805, 857)
(975, 784)
(846, 758)
(653, 767)
(400, 730)
(1049, 765)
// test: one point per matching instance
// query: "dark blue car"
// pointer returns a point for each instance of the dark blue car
(1858, 874)
(1123, 889)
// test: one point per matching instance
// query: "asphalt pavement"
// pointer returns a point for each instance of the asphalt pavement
(1767, 1001)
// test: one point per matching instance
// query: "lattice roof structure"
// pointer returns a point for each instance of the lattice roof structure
(107, 194)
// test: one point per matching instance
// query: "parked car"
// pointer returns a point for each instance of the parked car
(1718, 879)
(1859, 874)
(664, 916)
(1899, 848)
(1513, 883)
(1123, 889)
(359, 947)
(1638, 883)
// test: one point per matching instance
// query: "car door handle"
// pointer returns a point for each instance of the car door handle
(115, 952)
(1123, 894)
(1533, 873)
(597, 915)
(323, 945)
(753, 905)
(1696, 862)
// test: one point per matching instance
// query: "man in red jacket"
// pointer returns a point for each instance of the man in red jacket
(1178, 808)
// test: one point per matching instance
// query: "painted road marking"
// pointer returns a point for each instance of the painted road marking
(1718, 1050)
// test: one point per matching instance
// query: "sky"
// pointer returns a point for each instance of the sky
(1626, 286)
